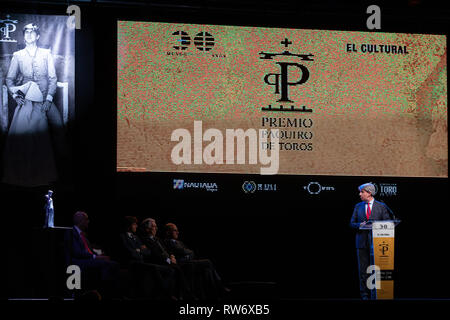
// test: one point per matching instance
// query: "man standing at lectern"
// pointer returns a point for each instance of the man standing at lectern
(367, 210)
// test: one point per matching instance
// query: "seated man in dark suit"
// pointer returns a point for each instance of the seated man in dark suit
(135, 249)
(202, 269)
(135, 253)
(175, 246)
(82, 254)
(159, 255)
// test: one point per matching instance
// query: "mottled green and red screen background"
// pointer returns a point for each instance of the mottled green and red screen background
(374, 113)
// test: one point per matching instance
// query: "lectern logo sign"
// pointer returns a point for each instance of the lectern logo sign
(383, 247)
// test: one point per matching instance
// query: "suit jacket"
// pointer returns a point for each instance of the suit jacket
(75, 249)
(179, 250)
(130, 245)
(39, 69)
(159, 254)
(380, 211)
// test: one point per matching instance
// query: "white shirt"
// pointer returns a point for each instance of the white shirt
(78, 230)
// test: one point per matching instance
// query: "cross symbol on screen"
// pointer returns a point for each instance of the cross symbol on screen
(286, 42)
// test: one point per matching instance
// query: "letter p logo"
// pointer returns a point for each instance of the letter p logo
(281, 81)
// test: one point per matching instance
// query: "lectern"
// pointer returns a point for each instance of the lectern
(47, 262)
(382, 257)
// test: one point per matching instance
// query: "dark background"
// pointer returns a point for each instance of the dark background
(300, 241)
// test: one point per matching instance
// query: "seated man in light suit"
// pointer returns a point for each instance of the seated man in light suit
(82, 254)
(367, 210)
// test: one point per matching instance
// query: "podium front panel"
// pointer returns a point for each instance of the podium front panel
(383, 251)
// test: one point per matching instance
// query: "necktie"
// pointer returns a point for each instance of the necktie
(368, 212)
(83, 238)
(163, 251)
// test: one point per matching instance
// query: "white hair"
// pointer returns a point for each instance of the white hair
(369, 187)
(147, 223)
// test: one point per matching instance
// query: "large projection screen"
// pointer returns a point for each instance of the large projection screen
(339, 102)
